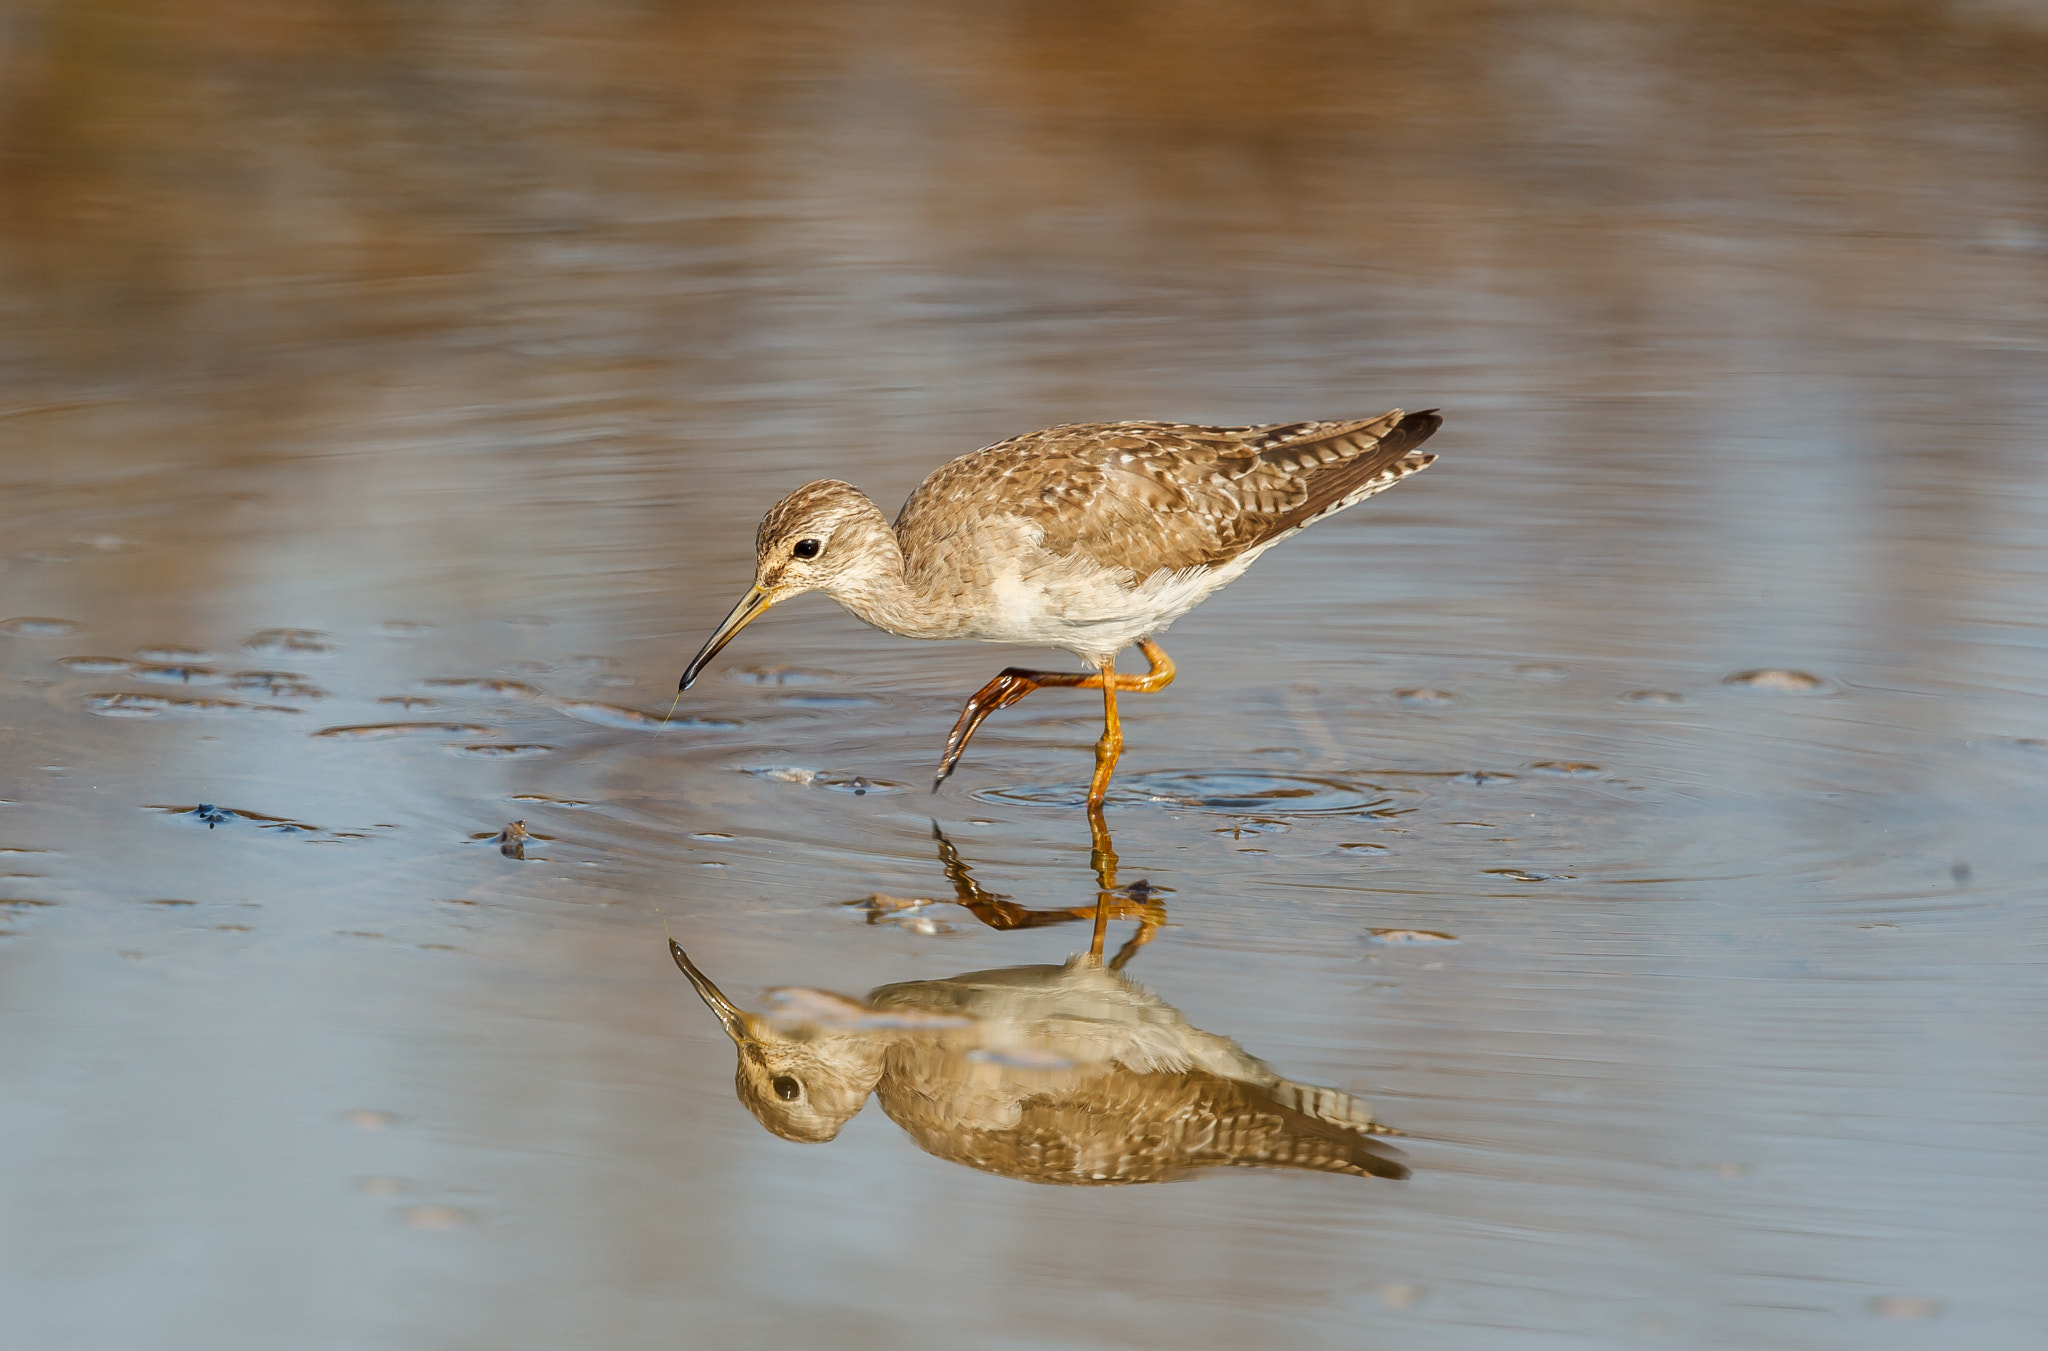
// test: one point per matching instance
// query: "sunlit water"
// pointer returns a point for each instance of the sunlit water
(1640, 811)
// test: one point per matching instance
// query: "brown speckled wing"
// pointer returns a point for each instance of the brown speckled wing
(1125, 1127)
(1152, 496)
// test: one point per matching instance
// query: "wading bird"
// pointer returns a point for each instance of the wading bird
(1088, 537)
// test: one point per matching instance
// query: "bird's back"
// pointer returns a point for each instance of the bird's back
(1160, 496)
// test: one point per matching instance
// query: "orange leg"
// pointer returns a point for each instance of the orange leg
(1016, 682)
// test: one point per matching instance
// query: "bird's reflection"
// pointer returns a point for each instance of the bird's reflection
(1061, 1074)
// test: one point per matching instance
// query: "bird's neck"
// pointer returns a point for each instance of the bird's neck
(881, 593)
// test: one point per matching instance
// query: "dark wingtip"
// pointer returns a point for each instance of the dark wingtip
(675, 950)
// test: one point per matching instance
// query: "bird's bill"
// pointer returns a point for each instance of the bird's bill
(751, 605)
(729, 1013)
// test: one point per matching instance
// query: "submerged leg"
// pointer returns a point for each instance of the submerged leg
(1016, 682)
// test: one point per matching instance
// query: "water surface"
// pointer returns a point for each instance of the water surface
(1639, 811)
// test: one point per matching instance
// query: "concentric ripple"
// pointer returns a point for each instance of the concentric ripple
(1223, 790)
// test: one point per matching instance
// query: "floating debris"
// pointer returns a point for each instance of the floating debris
(512, 840)
(1777, 680)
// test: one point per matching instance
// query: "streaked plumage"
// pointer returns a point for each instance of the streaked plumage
(1059, 1074)
(1088, 537)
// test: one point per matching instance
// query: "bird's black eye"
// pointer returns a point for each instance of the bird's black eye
(785, 1087)
(807, 548)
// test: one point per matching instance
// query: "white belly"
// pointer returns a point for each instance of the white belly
(1091, 611)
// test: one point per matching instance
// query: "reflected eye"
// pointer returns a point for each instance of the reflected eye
(786, 1088)
(807, 548)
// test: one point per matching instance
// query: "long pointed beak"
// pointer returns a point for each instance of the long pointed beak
(729, 1013)
(746, 612)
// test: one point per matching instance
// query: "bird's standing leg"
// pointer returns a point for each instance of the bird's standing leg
(1016, 682)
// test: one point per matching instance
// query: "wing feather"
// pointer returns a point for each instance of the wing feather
(1161, 496)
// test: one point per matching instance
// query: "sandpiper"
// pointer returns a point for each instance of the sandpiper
(1088, 537)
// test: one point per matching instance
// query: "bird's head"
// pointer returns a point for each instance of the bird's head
(826, 536)
(802, 1088)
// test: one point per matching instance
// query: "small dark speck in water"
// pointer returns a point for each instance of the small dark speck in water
(1665, 697)
(179, 675)
(1425, 698)
(1959, 873)
(857, 784)
(409, 701)
(1393, 937)
(1237, 830)
(1482, 777)
(1777, 680)
(220, 816)
(277, 684)
(290, 642)
(36, 626)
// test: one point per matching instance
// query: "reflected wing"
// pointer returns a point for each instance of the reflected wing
(1125, 1128)
(1175, 495)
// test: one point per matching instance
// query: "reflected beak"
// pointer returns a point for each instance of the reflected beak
(746, 612)
(729, 1013)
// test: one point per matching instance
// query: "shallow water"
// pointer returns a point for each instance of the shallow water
(1639, 811)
